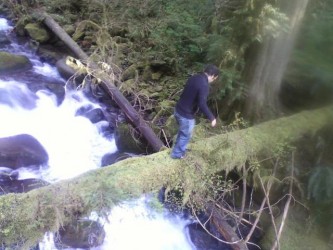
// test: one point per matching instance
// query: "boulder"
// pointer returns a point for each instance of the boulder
(69, 73)
(3, 38)
(83, 234)
(22, 151)
(7, 174)
(64, 70)
(203, 241)
(37, 32)
(110, 159)
(20, 186)
(95, 115)
(13, 63)
(128, 140)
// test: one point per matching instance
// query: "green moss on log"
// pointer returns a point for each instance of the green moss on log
(49, 207)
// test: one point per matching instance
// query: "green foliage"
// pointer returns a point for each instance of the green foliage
(234, 26)
(181, 35)
(312, 60)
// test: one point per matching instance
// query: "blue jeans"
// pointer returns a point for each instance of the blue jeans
(184, 135)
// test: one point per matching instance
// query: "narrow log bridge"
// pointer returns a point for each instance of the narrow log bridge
(106, 83)
(24, 218)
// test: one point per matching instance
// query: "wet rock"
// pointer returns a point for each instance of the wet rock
(110, 159)
(128, 140)
(15, 246)
(83, 234)
(7, 174)
(106, 130)
(95, 115)
(49, 85)
(20, 186)
(68, 72)
(58, 90)
(22, 151)
(13, 63)
(3, 38)
(52, 53)
(203, 241)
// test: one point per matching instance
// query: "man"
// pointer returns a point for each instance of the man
(194, 96)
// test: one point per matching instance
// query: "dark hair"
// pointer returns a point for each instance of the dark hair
(212, 70)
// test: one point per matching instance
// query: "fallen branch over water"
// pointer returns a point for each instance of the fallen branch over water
(107, 84)
(24, 218)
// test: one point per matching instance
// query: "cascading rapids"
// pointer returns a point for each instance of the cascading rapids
(74, 146)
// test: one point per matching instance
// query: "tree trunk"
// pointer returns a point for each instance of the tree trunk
(24, 218)
(266, 70)
(108, 86)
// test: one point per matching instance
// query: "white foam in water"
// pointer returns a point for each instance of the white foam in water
(71, 141)
(46, 70)
(74, 146)
(134, 225)
(4, 24)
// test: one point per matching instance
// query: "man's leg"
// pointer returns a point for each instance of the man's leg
(183, 137)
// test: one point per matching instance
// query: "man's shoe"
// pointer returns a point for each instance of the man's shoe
(178, 157)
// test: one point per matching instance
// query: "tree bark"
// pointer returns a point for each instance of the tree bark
(24, 218)
(107, 85)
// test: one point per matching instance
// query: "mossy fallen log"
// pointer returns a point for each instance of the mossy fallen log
(24, 218)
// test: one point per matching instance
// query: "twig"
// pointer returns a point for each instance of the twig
(165, 137)
(269, 185)
(236, 216)
(244, 195)
(269, 205)
(286, 208)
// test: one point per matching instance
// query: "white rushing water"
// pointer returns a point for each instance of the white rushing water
(134, 225)
(73, 143)
(4, 25)
(74, 146)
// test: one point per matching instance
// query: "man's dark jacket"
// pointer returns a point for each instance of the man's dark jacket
(194, 96)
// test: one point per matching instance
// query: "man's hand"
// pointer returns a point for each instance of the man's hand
(213, 123)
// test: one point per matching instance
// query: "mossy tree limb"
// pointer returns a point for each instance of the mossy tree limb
(24, 218)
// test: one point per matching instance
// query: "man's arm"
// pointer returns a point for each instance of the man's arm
(202, 103)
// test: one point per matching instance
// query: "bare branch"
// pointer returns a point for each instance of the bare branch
(286, 207)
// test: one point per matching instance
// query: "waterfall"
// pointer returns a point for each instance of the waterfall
(268, 68)
(76, 145)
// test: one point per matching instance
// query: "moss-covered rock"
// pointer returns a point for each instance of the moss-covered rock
(130, 72)
(37, 32)
(82, 233)
(69, 28)
(13, 63)
(127, 139)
